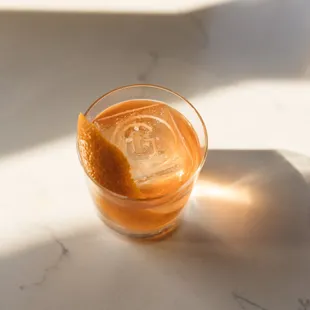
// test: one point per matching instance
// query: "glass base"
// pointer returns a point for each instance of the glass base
(158, 234)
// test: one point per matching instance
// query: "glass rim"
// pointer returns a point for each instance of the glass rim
(203, 159)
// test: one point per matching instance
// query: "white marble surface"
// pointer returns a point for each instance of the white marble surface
(246, 235)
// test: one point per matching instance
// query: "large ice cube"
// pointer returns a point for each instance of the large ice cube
(150, 139)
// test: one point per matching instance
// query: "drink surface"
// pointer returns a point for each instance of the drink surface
(160, 144)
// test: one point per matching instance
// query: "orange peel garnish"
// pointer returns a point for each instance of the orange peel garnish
(103, 161)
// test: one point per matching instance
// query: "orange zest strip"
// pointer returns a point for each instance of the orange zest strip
(103, 161)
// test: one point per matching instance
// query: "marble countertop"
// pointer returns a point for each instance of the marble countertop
(244, 243)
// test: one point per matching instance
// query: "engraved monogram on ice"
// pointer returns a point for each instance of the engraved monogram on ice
(140, 141)
(141, 136)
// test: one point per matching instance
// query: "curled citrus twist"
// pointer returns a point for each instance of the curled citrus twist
(103, 161)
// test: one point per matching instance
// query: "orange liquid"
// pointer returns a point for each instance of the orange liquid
(163, 151)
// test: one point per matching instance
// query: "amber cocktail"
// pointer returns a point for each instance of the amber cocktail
(142, 147)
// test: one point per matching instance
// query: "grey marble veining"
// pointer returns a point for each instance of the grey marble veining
(63, 253)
